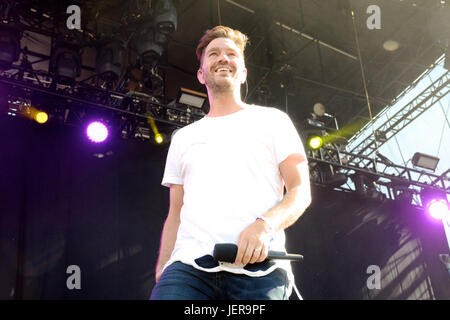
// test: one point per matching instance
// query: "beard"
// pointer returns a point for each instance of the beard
(219, 83)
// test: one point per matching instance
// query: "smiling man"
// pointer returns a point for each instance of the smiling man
(226, 174)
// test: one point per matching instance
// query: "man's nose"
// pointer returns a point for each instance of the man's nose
(223, 57)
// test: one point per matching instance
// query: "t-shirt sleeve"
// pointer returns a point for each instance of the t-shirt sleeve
(286, 138)
(172, 172)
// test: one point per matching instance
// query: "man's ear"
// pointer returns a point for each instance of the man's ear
(200, 77)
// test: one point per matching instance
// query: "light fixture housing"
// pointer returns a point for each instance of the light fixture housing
(109, 60)
(97, 131)
(147, 46)
(315, 142)
(9, 46)
(65, 61)
(166, 18)
(425, 161)
(191, 98)
(435, 203)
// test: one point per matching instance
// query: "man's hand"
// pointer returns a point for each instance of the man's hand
(253, 243)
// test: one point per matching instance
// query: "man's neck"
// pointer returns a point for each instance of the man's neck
(224, 103)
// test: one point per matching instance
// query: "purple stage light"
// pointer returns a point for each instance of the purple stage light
(97, 132)
(438, 209)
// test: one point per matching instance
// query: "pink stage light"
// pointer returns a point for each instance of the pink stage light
(97, 132)
(438, 209)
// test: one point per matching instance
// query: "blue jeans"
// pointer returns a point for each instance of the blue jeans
(180, 281)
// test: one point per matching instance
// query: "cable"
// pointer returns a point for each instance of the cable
(443, 127)
(297, 292)
(362, 73)
(218, 12)
(246, 90)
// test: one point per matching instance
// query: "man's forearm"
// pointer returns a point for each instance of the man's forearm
(290, 208)
(256, 235)
(168, 238)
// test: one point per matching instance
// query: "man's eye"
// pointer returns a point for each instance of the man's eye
(213, 54)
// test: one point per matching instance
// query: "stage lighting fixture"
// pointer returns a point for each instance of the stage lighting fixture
(380, 136)
(108, 62)
(65, 62)
(425, 161)
(334, 179)
(326, 174)
(315, 142)
(319, 111)
(165, 17)
(191, 98)
(365, 186)
(27, 110)
(9, 46)
(148, 49)
(97, 131)
(435, 203)
(41, 117)
(159, 139)
(391, 45)
(315, 123)
(438, 209)
(402, 192)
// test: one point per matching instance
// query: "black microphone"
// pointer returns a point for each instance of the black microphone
(226, 252)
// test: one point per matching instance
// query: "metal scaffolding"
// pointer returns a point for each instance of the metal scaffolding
(438, 89)
(392, 180)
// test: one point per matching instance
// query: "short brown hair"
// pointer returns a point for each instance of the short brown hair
(221, 32)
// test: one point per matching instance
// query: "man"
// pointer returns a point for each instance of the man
(226, 174)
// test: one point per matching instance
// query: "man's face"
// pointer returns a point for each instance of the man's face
(222, 68)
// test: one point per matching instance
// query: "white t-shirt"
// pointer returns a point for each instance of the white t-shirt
(229, 169)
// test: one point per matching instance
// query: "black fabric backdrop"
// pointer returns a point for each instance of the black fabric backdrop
(61, 206)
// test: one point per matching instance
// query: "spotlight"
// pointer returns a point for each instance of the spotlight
(159, 139)
(9, 46)
(391, 45)
(109, 60)
(65, 62)
(165, 17)
(147, 47)
(25, 108)
(315, 142)
(438, 209)
(97, 131)
(191, 98)
(425, 161)
(402, 192)
(41, 117)
(366, 186)
(319, 111)
(326, 174)
(435, 203)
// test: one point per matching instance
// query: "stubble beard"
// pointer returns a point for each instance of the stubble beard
(220, 85)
